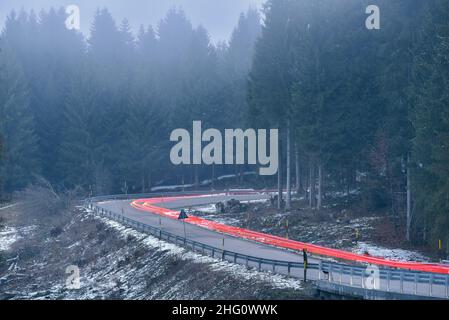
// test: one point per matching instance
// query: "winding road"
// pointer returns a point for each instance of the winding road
(169, 222)
(163, 212)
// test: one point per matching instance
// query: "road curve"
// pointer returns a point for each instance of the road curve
(162, 210)
(164, 206)
(197, 233)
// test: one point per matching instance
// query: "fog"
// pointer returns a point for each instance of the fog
(219, 17)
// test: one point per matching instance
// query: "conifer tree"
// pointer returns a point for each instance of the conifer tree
(16, 125)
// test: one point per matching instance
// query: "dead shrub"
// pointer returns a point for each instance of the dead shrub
(40, 200)
(56, 232)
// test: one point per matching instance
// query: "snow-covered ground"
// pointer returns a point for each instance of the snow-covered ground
(8, 206)
(118, 262)
(392, 254)
(171, 188)
(210, 208)
(276, 281)
(9, 235)
(203, 183)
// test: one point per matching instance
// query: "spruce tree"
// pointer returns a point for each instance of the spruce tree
(431, 121)
(16, 125)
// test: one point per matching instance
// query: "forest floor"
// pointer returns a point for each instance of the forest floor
(116, 262)
(333, 226)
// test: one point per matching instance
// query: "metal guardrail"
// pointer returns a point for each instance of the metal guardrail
(171, 194)
(391, 280)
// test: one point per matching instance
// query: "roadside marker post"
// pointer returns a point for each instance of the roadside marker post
(305, 260)
(185, 234)
(183, 216)
(160, 228)
(223, 249)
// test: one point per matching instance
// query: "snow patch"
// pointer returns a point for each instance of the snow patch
(207, 209)
(391, 254)
(203, 183)
(223, 220)
(9, 235)
(175, 187)
(9, 206)
(255, 201)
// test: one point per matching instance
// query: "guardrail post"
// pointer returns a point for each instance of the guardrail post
(223, 255)
(274, 267)
(351, 277)
(402, 282)
(320, 269)
(388, 281)
(431, 285)
(289, 269)
(447, 286)
(260, 265)
(416, 283)
(330, 272)
(213, 252)
(363, 279)
(235, 257)
(246, 262)
(341, 274)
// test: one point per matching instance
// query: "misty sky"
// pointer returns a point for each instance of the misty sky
(218, 16)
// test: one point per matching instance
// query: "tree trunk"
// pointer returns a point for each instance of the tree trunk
(143, 172)
(320, 185)
(197, 177)
(213, 177)
(409, 199)
(288, 201)
(311, 183)
(390, 184)
(297, 171)
(348, 181)
(280, 177)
